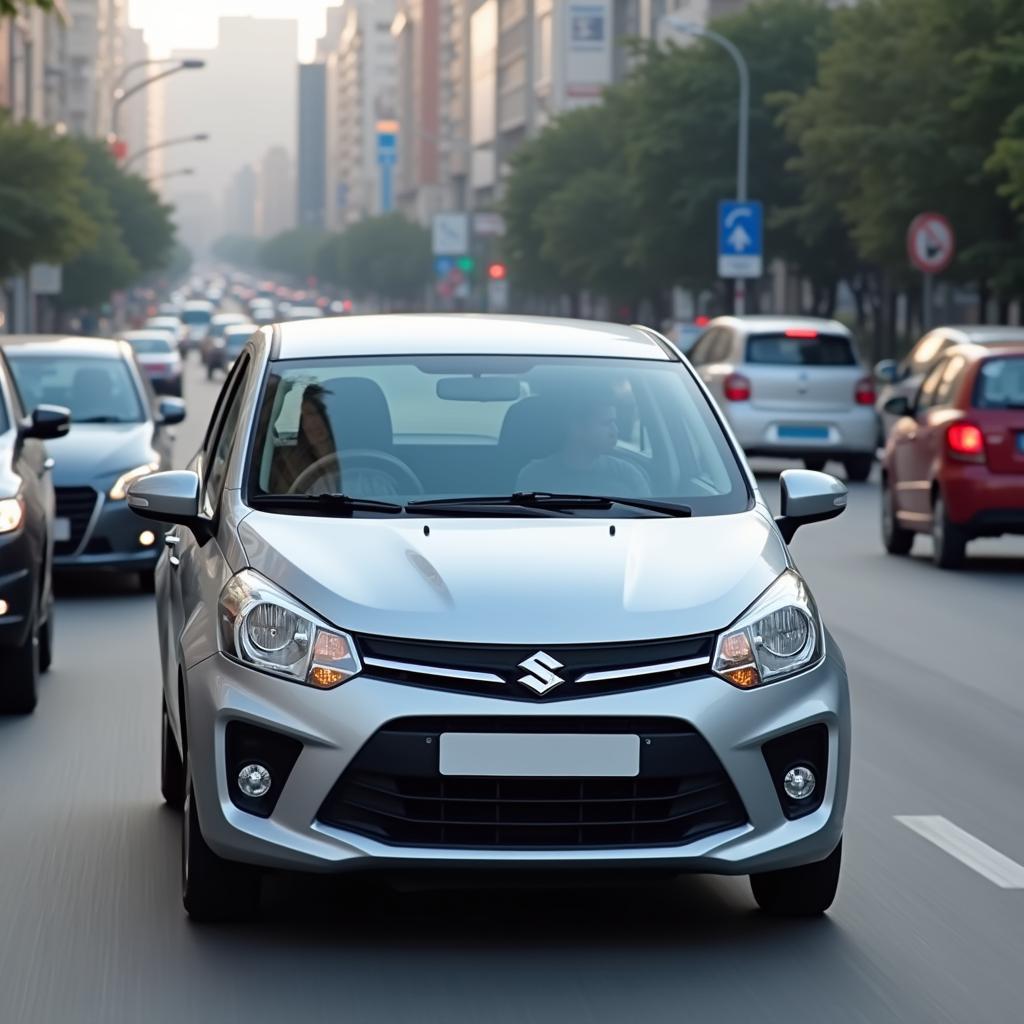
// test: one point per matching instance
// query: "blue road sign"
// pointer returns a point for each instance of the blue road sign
(443, 265)
(740, 238)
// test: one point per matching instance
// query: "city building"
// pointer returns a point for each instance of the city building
(95, 62)
(240, 203)
(311, 185)
(275, 192)
(134, 120)
(246, 100)
(360, 93)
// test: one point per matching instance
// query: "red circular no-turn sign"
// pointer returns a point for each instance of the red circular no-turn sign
(931, 242)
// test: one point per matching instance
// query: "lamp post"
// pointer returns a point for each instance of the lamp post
(121, 94)
(743, 125)
(181, 172)
(198, 137)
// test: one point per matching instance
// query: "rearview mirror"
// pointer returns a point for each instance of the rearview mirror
(808, 497)
(170, 497)
(171, 411)
(479, 389)
(898, 405)
(47, 422)
(887, 371)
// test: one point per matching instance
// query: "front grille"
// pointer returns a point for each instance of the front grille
(436, 664)
(76, 504)
(392, 791)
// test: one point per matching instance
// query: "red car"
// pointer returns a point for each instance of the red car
(954, 462)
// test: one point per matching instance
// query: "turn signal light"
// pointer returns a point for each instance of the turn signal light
(965, 442)
(323, 676)
(737, 388)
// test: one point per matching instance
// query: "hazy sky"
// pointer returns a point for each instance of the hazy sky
(185, 24)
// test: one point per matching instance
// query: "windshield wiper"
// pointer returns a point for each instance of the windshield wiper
(549, 501)
(339, 503)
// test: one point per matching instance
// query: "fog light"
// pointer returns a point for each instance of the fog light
(254, 780)
(4, 607)
(147, 538)
(799, 782)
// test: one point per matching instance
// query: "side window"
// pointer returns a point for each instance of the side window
(954, 367)
(929, 386)
(215, 459)
(927, 351)
(722, 350)
(701, 347)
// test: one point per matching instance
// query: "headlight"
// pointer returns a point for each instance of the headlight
(263, 627)
(120, 489)
(12, 514)
(779, 635)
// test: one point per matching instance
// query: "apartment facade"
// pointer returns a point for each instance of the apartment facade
(311, 154)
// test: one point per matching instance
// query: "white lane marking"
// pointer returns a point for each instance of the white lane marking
(967, 849)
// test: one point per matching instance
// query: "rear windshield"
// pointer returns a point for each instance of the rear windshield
(793, 349)
(150, 346)
(196, 316)
(1000, 384)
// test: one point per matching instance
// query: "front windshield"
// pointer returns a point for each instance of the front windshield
(96, 390)
(402, 429)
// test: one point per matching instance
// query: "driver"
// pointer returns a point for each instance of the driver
(584, 464)
(315, 441)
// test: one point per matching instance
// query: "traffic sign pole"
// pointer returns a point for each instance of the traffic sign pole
(931, 244)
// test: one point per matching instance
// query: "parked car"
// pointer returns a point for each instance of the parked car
(26, 543)
(159, 359)
(120, 433)
(792, 387)
(905, 377)
(460, 592)
(954, 461)
(213, 344)
(196, 316)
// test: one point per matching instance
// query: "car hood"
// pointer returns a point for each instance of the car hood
(521, 581)
(90, 452)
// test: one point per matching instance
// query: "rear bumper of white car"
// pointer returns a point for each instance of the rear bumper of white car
(853, 431)
(706, 733)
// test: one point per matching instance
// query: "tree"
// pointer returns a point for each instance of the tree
(239, 250)
(9, 8)
(293, 252)
(41, 193)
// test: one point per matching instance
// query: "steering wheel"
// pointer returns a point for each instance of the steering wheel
(372, 463)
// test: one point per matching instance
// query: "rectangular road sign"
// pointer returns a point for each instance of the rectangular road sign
(451, 234)
(740, 238)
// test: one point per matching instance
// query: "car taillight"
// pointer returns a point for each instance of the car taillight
(737, 388)
(864, 392)
(965, 441)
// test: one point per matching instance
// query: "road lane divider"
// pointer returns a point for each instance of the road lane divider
(967, 849)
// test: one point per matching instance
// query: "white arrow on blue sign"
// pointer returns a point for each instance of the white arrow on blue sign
(740, 239)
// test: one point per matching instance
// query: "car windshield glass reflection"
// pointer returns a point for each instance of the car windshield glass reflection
(95, 390)
(401, 430)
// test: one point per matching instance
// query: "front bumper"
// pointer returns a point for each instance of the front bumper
(854, 431)
(110, 541)
(333, 726)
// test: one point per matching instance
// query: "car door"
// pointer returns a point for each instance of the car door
(188, 561)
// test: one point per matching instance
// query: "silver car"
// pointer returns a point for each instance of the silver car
(451, 592)
(792, 387)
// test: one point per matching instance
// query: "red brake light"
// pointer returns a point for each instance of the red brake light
(701, 321)
(801, 332)
(737, 388)
(864, 392)
(965, 441)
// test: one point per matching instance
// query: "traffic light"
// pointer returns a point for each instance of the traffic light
(497, 271)
(466, 264)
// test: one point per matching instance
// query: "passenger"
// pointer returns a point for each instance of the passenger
(585, 464)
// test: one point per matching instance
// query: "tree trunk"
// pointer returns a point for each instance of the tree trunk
(983, 301)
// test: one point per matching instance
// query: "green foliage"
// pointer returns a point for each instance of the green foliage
(293, 252)
(41, 195)
(9, 8)
(239, 250)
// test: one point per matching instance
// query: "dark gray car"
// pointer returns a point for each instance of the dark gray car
(120, 433)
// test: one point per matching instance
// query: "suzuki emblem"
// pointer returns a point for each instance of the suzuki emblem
(540, 673)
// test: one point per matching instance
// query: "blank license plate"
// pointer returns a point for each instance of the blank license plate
(805, 433)
(548, 755)
(61, 529)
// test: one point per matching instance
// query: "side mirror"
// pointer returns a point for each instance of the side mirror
(898, 405)
(808, 497)
(887, 371)
(47, 422)
(171, 411)
(171, 497)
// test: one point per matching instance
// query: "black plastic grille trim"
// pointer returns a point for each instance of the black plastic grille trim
(77, 505)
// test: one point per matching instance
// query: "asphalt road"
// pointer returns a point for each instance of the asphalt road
(92, 930)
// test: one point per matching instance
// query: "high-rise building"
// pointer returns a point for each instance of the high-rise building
(311, 188)
(240, 203)
(134, 120)
(360, 92)
(95, 62)
(246, 99)
(275, 194)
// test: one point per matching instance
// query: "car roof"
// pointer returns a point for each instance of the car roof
(984, 334)
(463, 333)
(229, 318)
(974, 351)
(757, 323)
(152, 334)
(244, 328)
(62, 344)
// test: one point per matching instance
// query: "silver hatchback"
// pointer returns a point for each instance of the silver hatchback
(455, 591)
(793, 387)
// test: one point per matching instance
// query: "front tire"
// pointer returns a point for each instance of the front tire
(897, 539)
(805, 891)
(815, 463)
(46, 641)
(213, 889)
(172, 769)
(20, 676)
(949, 541)
(858, 467)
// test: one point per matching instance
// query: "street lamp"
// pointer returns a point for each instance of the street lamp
(199, 137)
(743, 127)
(121, 94)
(181, 172)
